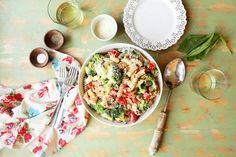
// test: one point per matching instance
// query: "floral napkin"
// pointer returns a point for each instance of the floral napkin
(25, 113)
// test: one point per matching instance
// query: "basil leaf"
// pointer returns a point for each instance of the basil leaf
(197, 57)
(202, 47)
(225, 44)
(200, 56)
(198, 46)
(201, 51)
(192, 41)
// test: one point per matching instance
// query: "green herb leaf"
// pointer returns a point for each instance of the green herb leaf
(201, 47)
(225, 44)
(201, 51)
(192, 41)
(198, 46)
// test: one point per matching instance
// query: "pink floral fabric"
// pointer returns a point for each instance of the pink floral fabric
(25, 113)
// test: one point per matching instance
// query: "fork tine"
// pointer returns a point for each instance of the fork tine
(61, 71)
(69, 74)
(73, 73)
(73, 70)
(64, 73)
(76, 72)
(72, 76)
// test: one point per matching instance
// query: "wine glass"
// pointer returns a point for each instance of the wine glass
(66, 12)
(210, 84)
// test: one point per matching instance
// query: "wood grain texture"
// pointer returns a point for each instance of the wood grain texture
(196, 127)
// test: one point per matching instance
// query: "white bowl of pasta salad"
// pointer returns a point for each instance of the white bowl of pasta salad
(120, 84)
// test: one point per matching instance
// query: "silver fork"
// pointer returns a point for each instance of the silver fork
(61, 77)
(69, 82)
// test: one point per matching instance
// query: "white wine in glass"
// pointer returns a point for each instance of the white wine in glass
(210, 84)
(66, 12)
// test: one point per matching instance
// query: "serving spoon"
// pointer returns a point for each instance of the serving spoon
(174, 75)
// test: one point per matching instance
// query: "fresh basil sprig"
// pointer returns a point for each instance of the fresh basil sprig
(197, 46)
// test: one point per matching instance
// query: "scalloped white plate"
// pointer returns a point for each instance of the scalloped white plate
(154, 24)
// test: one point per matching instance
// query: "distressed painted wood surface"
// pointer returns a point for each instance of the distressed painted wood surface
(196, 127)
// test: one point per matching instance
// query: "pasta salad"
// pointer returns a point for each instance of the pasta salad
(120, 84)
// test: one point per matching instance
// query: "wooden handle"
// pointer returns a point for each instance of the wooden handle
(157, 135)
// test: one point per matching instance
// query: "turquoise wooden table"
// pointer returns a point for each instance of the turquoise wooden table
(196, 127)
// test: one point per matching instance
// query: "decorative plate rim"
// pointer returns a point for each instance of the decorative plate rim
(145, 43)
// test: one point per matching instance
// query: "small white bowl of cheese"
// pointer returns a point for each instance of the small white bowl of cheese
(104, 27)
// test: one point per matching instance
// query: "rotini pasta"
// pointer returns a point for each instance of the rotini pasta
(132, 69)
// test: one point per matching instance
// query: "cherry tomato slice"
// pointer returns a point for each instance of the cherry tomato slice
(151, 66)
(133, 117)
(122, 101)
(90, 85)
(146, 96)
(134, 100)
(114, 53)
(126, 92)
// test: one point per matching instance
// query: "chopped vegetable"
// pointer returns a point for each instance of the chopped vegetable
(114, 53)
(113, 92)
(151, 66)
(90, 71)
(115, 112)
(141, 87)
(90, 85)
(149, 83)
(134, 100)
(126, 91)
(133, 117)
(122, 101)
(143, 105)
(115, 73)
(105, 81)
(146, 96)
(97, 58)
(99, 107)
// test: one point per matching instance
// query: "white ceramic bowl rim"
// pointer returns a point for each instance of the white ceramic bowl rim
(97, 116)
(97, 19)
